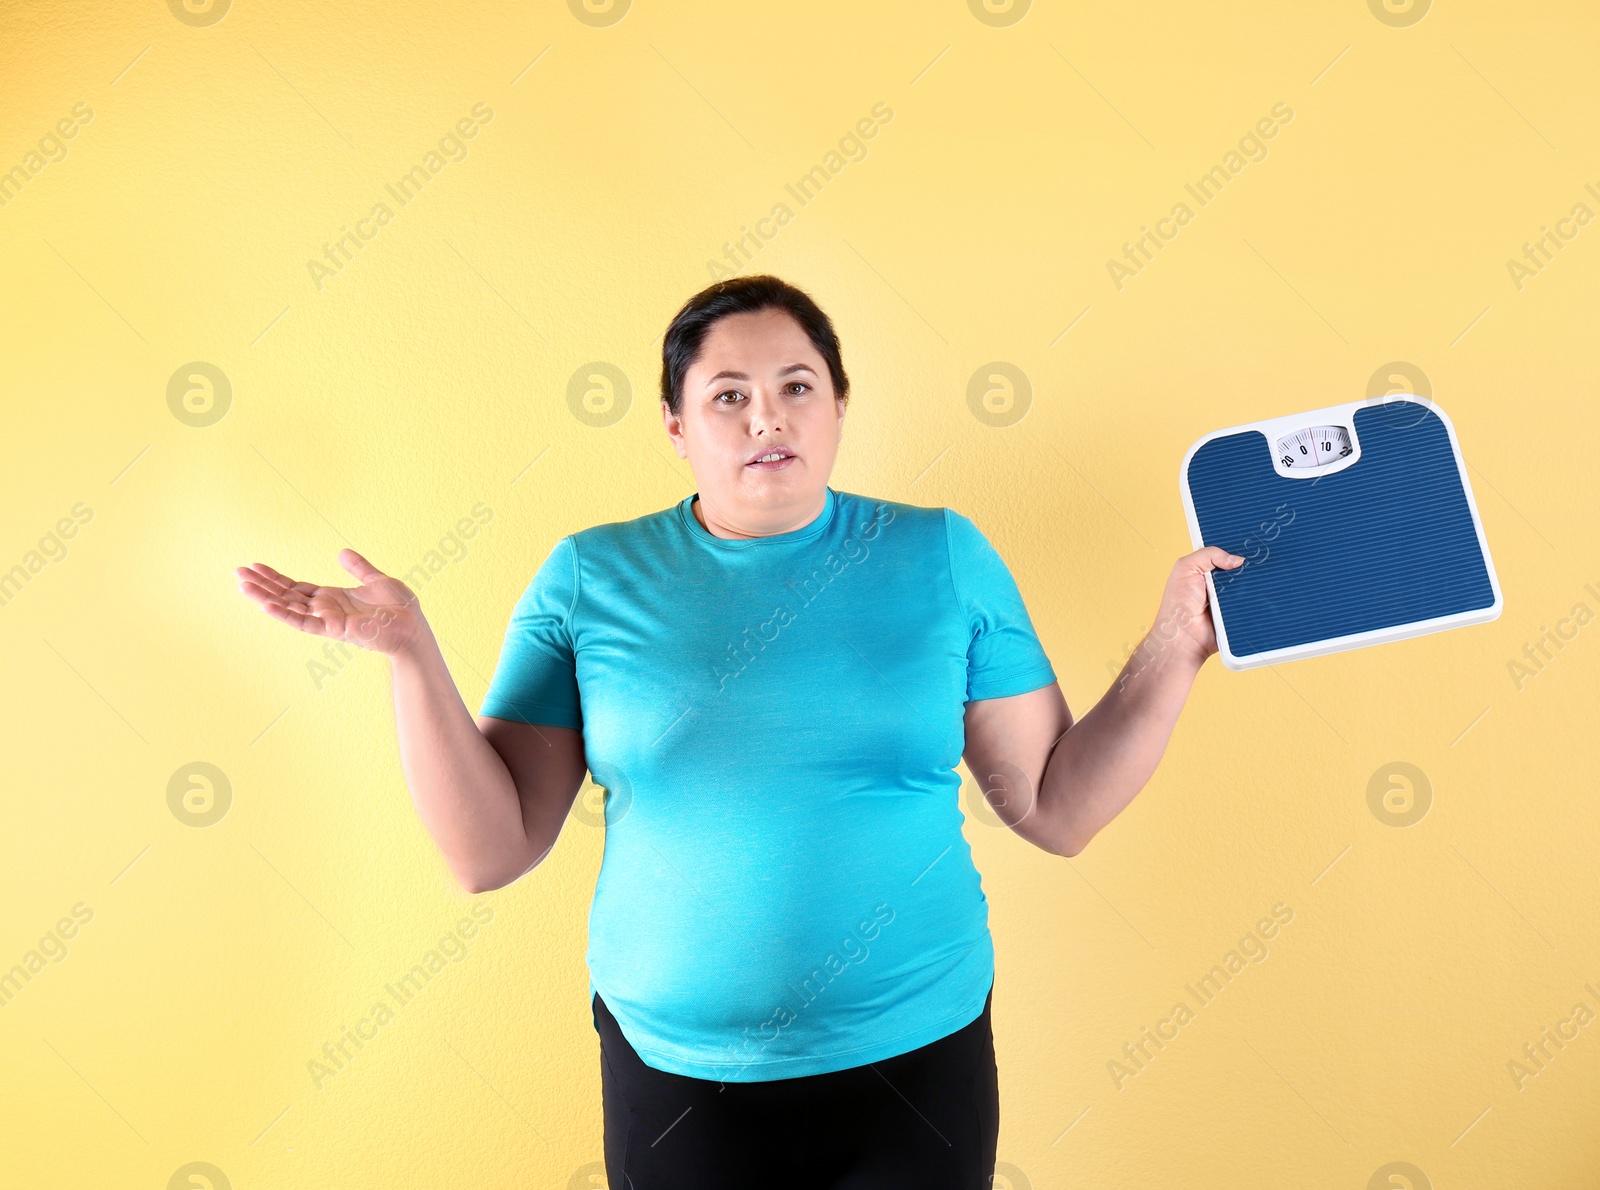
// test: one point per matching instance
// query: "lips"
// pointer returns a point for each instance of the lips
(783, 452)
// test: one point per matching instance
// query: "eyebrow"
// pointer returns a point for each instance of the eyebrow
(792, 368)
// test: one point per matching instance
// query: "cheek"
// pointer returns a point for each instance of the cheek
(720, 442)
(822, 425)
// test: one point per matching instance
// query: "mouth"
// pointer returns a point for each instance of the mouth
(772, 460)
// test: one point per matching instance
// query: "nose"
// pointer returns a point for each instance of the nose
(765, 412)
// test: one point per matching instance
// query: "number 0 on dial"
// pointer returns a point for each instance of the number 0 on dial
(1314, 447)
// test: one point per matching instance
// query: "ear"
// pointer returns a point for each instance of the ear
(674, 427)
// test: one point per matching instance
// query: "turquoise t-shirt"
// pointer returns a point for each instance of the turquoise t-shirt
(785, 888)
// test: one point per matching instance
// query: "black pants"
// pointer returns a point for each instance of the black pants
(927, 1119)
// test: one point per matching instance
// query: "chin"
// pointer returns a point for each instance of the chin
(769, 478)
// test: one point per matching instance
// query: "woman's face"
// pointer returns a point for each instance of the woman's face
(758, 386)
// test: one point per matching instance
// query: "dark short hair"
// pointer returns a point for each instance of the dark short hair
(743, 295)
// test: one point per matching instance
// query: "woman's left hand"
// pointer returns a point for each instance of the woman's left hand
(1183, 621)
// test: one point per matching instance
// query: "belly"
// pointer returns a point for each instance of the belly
(722, 924)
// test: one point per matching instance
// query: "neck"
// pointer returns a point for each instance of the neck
(737, 528)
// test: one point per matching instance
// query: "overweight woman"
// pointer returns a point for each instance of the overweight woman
(789, 953)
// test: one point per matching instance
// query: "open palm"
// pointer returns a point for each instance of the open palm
(382, 614)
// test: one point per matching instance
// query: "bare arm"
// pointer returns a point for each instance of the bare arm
(1058, 783)
(492, 793)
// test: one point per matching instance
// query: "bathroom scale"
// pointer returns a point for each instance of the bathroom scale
(1356, 523)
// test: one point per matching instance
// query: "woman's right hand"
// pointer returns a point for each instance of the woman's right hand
(382, 614)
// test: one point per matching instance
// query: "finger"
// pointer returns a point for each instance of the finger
(278, 610)
(255, 591)
(359, 566)
(265, 590)
(1214, 556)
(249, 577)
(282, 601)
(256, 574)
(274, 580)
(295, 619)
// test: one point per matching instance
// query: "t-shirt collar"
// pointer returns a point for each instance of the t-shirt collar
(830, 502)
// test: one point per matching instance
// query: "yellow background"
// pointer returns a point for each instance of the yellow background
(431, 374)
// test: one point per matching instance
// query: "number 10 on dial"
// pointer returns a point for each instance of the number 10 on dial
(1314, 447)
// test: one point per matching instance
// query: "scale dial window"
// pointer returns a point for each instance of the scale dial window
(1314, 447)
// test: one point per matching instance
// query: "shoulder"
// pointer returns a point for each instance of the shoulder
(960, 527)
(862, 515)
(945, 530)
(971, 550)
(599, 540)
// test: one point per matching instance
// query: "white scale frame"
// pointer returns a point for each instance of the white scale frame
(1273, 429)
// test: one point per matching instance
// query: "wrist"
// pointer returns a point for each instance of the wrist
(1172, 633)
(418, 643)
(1165, 654)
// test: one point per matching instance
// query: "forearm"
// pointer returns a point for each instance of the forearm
(462, 789)
(1102, 761)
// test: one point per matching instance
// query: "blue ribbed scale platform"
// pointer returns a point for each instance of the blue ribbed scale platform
(1379, 545)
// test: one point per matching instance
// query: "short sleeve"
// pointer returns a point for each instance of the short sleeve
(536, 679)
(1004, 656)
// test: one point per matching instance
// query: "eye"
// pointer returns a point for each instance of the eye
(800, 383)
(718, 398)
